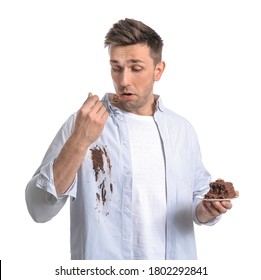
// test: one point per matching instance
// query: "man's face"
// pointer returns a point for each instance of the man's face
(133, 73)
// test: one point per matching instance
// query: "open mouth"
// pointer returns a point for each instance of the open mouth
(127, 96)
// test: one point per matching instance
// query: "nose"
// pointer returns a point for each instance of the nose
(125, 78)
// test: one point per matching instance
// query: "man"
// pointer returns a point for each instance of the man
(131, 167)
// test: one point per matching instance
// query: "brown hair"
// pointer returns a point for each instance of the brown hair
(130, 32)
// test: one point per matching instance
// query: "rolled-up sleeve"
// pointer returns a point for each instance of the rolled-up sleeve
(42, 201)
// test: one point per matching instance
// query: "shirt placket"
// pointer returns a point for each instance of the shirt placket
(170, 192)
(126, 198)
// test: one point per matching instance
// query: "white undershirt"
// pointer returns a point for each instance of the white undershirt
(148, 190)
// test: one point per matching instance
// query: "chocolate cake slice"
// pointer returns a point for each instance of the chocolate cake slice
(220, 190)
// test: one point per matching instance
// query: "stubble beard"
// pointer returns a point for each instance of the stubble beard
(134, 106)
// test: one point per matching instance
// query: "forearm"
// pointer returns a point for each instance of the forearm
(67, 163)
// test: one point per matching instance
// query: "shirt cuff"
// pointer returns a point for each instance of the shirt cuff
(45, 181)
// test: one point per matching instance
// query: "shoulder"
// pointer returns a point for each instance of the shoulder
(176, 119)
(67, 127)
(172, 117)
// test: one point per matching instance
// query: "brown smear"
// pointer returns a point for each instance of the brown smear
(107, 158)
(97, 161)
(103, 194)
(98, 166)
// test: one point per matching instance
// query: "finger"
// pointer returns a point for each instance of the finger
(226, 204)
(88, 98)
(102, 114)
(207, 207)
(222, 206)
(98, 107)
(216, 208)
(90, 101)
(211, 209)
(215, 212)
(105, 115)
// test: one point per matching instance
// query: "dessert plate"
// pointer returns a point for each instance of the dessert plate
(216, 199)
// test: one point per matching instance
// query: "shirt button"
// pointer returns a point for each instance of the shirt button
(125, 237)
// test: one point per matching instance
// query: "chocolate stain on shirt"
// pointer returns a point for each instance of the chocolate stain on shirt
(108, 159)
(98, 197)
(97, 160)
(103, 191)
(97, 157)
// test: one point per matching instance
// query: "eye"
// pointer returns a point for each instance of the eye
(136, 68)
(116, 69)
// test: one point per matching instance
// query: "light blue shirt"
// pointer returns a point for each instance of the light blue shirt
(101, 194)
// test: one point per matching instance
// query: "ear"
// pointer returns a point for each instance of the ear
(159, 69)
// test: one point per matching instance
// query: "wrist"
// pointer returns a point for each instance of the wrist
(77, 144)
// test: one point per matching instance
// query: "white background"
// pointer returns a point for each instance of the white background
(52, 55)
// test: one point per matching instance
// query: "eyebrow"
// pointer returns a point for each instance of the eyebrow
(131, 61)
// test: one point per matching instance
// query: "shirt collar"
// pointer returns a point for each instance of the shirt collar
(159, 103)
(112, 109)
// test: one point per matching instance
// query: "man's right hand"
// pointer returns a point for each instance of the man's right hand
(90, 120)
